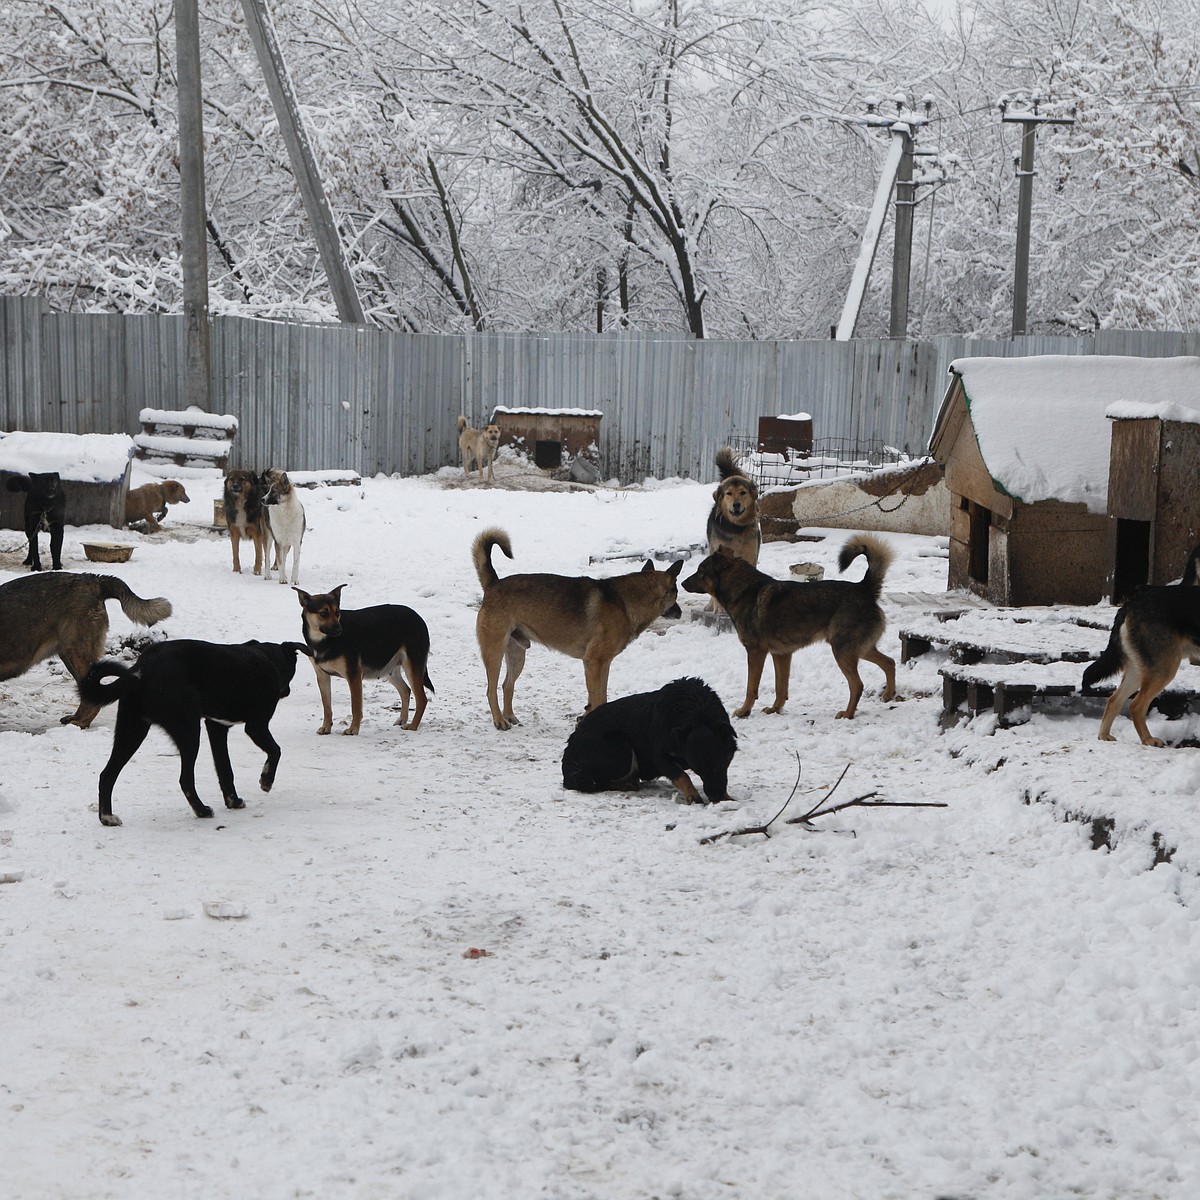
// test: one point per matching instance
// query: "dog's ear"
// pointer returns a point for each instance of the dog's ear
(304, 596)
(649, 566)
(337, 592)
(674, 569)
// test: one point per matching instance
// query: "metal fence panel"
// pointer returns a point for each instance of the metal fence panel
(312, 397)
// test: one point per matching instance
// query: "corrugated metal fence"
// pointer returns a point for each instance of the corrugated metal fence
(314, 397)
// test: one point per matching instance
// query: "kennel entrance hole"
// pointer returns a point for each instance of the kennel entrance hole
(1131, 567)
(978, 549)
(547, 455)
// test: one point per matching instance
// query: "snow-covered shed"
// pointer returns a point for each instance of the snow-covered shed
(94, 469)
(1026, 444)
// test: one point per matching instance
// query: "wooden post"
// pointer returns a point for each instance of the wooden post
(197, 383)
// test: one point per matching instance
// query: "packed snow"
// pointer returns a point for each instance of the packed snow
(421, 968)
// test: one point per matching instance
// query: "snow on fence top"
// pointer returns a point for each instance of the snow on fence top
(800, 416)
(78, 457)
(1040, 421)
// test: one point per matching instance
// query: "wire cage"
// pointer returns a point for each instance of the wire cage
(830, 458)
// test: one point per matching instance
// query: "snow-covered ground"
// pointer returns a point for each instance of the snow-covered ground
(961, 1002)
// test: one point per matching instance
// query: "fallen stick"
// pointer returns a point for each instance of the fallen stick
(867, 800)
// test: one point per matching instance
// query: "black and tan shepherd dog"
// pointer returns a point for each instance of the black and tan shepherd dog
(734, 521)
(176, 685)
(780, 617)
(386, 641)
(1152, 633)
(245, 517)
(63, 613)
(681, 727)
(45, 508)
(590, 619)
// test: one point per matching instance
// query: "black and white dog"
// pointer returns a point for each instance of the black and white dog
(176, 685)
(45, 508)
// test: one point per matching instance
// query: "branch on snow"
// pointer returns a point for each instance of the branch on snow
(867, 800)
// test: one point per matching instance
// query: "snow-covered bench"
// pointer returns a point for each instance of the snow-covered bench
(1004, 688)
(191, 438)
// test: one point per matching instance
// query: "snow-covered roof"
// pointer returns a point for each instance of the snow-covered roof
(80, 457)
(1130, 410)
(548, 412)
(1040, 421)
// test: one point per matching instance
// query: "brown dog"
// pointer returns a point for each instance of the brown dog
(63, 613)
(245, 517)
(591, 619)
(780, 617)
(478, 446)
(149, 502)
(386, 641)
(733, 521)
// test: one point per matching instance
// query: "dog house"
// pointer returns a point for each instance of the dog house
(551, 436)
(1153, 497)
(1024, 443)
(94, 469)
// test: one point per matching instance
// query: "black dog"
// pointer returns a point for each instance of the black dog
(45, 508)
(682, 725)
(176, 684)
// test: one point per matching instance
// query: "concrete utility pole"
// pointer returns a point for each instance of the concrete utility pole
(304, 166)
(197, 379)
(1029, 118)
(896, 174)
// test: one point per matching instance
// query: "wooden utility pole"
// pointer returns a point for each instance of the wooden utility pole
(902, 245)
(304, 166)
(1029, 118)
(197, 381)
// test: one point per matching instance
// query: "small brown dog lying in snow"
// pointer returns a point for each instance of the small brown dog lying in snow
(149, 502)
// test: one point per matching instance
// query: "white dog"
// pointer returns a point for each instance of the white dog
(286, 516)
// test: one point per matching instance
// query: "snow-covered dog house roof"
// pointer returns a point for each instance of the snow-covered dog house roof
(1025, 444)
(94, 467)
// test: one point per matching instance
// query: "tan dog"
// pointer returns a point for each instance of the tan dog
(733, 521)
(63, 613)
(149, 502)
(780, 617)
(245, 517)
(591, 619)
(478, 446)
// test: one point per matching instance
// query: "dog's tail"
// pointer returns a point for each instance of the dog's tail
(878, 555)
(1191, 573)
(726, 463)
(481, 552)
(1112, 658)
(93, 689)
(139, 611)
(19, 483)
(462, 424)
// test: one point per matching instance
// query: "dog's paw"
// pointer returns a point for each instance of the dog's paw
(109, 819)
(350, 731)
(235, 801)
(323, 729)
(1153, 742)
(204, 811)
